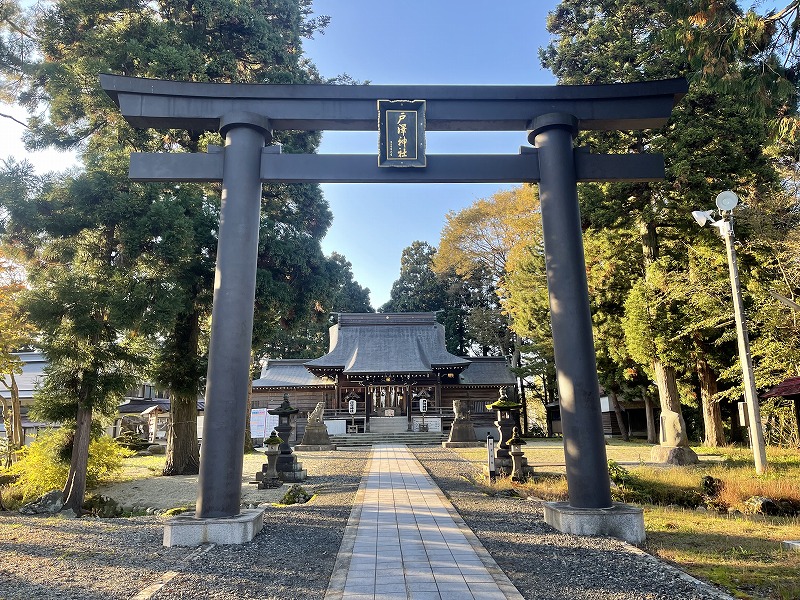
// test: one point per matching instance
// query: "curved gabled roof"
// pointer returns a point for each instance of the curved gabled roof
(363, 343)
(289, 373)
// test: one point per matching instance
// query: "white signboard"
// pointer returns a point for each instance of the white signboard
(258, 423)
(336, 426)
(272, 423)
(352, 406)
(433, 423)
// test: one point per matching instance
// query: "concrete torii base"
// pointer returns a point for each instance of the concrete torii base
(620, 521)
(189, 530)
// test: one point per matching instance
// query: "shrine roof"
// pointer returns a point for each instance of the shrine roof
(289, 373)
(487, 371)
(385, 343)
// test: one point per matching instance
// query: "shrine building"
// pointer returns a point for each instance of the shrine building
(393, 365)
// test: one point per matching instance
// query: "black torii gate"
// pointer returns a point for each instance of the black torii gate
(246, 115)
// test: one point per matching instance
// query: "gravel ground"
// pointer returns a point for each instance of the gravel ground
(547, 565)
(293, 557)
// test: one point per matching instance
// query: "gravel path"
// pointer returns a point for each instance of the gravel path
(547, 565)
(294, 556)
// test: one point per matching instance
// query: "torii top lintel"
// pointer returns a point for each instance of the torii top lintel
(310, 107)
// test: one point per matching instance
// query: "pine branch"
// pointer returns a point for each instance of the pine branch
(4, 115)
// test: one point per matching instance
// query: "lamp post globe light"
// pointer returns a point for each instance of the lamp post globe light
(726, 201)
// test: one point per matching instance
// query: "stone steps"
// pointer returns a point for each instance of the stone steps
(388, 424)
(433, 438)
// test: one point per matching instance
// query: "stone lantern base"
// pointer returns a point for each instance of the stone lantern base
(505, 466)
(265, 482)
(290, 470)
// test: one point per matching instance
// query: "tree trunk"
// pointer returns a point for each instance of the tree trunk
(12, 420)
(670, 400)
(712, 416)
(623, 428)
(666, 381)
(652, 437)
(183, 455)
(516, 362)
(248, 440)
(75, 488)
(7, 423)
(17, 436)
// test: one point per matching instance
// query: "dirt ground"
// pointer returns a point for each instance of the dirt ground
(181, 490)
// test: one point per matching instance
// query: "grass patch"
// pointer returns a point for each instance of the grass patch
(742, 554)
(739, 552)
(140, 467)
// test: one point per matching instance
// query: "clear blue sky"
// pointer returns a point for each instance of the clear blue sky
(413, 42)
(419, 42)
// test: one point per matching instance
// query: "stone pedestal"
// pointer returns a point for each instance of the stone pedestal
(674, 455)
(189, 530)
(462, 433)
(291, 470)
(315, 438)
(267, 478)
(620, 521)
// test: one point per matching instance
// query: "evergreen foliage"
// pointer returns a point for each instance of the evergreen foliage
(672, 326)
(126, 270)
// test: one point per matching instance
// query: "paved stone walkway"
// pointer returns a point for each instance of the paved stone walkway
(405, 540)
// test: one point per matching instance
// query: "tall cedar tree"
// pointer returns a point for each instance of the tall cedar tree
(220, 41)
(92, 315)
(420, 289)
(607, 41)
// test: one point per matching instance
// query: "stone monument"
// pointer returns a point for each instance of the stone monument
(674, 445)
(315, 438)
(462, 433)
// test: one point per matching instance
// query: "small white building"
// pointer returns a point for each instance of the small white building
(33, 364)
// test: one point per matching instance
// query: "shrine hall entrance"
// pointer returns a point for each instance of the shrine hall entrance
(388, 400)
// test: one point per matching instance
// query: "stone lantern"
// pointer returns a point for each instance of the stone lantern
(286, 465)
(507, 418)
(517, 456)
(268, 477)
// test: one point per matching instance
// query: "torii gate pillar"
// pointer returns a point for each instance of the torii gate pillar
(590, 510)
(232, 315)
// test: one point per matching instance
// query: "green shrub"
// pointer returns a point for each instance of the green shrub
(132, 441)
(295, 495)
(619, 474)
(102, 506)
(41, 466)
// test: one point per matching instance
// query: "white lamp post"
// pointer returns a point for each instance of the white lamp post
(726, 202)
